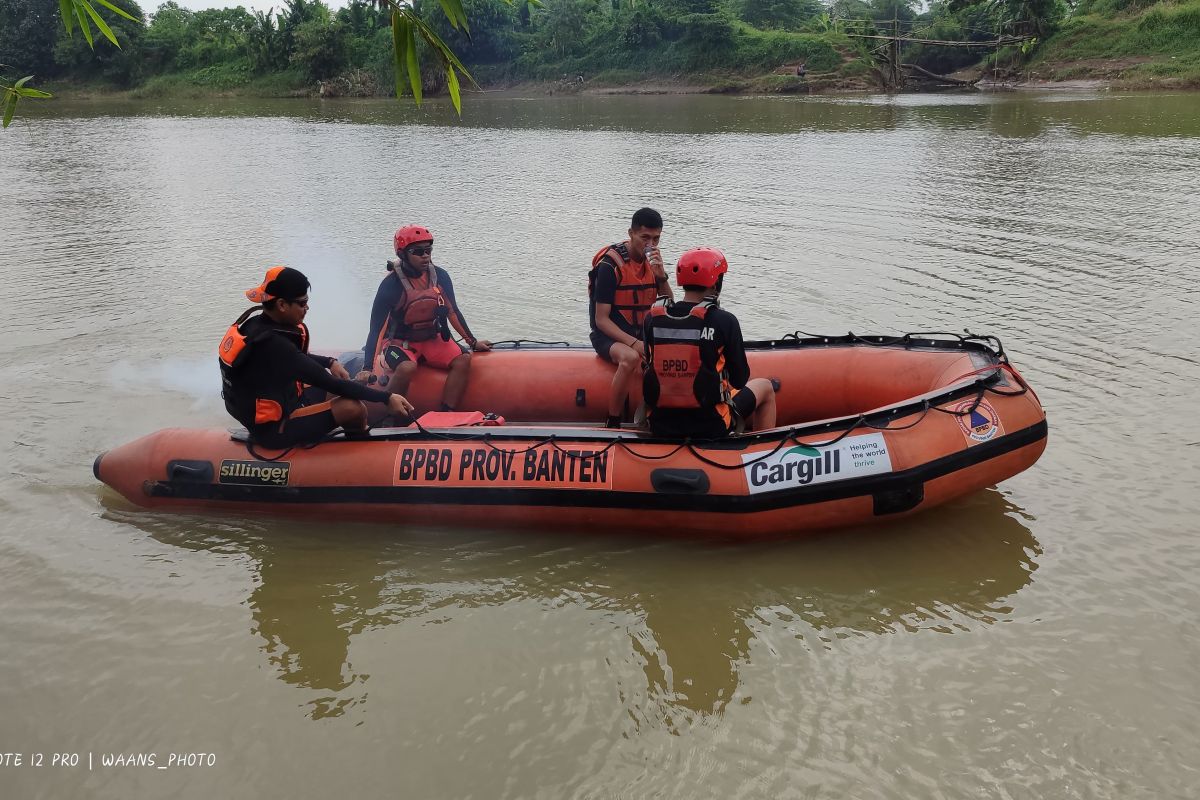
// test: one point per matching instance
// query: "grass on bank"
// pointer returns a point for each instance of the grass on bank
(1139, 44)
(235, 77)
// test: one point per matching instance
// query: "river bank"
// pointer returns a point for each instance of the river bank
(1135, 73)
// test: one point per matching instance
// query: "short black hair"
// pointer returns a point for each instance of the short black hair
(647, 218)
(713, 290)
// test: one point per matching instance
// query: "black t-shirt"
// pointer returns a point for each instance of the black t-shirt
(604, 290)
(726, 339)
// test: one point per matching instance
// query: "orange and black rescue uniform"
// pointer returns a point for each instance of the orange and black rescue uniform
(265, 369)
(695, 384)
(412, 308)
(627, 285)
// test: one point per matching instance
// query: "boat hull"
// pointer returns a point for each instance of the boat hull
(957, 427)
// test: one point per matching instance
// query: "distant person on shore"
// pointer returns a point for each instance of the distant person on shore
(698, 381)
(624, 280)
(265, 362)
(411, 318)
(801, 70)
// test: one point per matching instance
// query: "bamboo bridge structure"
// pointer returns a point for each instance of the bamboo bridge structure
(891, 67)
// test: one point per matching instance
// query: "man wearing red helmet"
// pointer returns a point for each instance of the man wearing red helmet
(698, 382)
(411, 317)
(265, 364)
(623, 283)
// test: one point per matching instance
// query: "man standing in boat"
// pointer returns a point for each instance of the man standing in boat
(698, 383)
(411, 317)
(265, 365)
(624, 281)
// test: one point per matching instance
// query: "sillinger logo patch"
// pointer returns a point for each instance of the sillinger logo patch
(255, 473)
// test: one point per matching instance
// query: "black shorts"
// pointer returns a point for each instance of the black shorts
(306, 425)
(703, 423)
(743, 403)
(603, 345)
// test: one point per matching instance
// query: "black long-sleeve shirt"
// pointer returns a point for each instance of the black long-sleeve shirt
(276, 363)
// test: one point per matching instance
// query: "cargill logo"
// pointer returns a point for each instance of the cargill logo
(798, 465)
(255, 473)
(803, 465)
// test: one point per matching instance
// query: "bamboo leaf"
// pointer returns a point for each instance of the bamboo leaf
(38, 93)
(455, 14)
(21, 82)
(100, 23)
(117, 10)
(81, 15)
(443, 51)
(399, 51)
(453, 88)
(10, 105)
(414, 69)
(66, 10)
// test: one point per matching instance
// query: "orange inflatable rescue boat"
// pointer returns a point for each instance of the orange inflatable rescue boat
(870, 428)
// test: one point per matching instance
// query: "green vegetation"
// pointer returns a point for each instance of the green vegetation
(725, 45)
(1136, 42)
(307, 47)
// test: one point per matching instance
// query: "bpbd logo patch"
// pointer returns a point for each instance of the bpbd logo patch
(979, 424)
(255, 473)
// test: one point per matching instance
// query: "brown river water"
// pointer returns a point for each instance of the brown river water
(1039, 639)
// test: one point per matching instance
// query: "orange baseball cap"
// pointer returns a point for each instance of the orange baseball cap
(282, 282)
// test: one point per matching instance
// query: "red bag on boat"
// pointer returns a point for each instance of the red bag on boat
(457, 419)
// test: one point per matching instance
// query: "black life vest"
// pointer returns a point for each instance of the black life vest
(636, 287)
(244, 403)
(679, 376)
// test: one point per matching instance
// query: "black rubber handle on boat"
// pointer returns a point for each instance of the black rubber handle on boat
(679, 481)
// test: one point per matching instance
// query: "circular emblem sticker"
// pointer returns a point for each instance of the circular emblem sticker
(979, 424)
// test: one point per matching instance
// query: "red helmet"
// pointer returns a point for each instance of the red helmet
(701, 267)
(411, 234)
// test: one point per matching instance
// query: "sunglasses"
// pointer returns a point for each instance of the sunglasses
(300, 301)
(420, 251)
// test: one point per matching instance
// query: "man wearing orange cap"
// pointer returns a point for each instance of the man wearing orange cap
(265, 365)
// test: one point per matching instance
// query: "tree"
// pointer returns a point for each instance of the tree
(167, 35)
(494, 25)
(883, 10)
(121, 65)
(564, 23)
(1038, 17)
(781, 14)
(320, 46)
(74, 12)
(27, 35)
(407, 26)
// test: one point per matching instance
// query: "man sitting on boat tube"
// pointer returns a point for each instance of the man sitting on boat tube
(624, 281)
(265, 365)
(698, 382)
(410, 321)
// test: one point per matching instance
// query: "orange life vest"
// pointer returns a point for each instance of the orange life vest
(678, 376)
(418, 313)
(636, 286)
